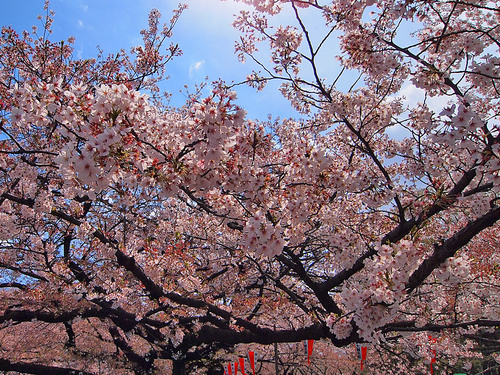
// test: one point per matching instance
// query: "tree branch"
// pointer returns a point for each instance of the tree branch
(37, 369)
(449, 247)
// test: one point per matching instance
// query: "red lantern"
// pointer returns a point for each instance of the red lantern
(309, 350)
(363, 355)
(251, 356)
(242, 365)
(432, 340)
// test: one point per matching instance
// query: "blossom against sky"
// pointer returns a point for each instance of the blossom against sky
(204, 34)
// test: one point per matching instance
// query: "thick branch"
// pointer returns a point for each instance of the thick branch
(321, 293)
(33, 368)
(404, 228)
(24, 272)
(209, 334)
(48, 317)
(156, 292)
(449, 247)
(13, 285)
(120, 342)
(409, 326)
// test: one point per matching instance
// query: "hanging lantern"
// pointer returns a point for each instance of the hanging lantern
(251, 357)
(432, 340)
(433, 360)
(364, 350)
(309, 350)
(242, 366)
(361, 351)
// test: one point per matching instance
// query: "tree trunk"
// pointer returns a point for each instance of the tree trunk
(276, 358)
(179, 367)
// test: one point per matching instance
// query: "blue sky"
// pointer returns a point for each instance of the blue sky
(204, 33)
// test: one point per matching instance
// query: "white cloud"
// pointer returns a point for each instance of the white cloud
(79, 52)
(80, 23)
(413, 95)
(195, 66)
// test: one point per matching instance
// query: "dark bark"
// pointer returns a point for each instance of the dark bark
(178, 367)
(141, 364)
(321, 293)
(266, 336)
(410, 326)
(33, 368)
(404, 228)
(449, 247)
(13, 285)
(71, 335)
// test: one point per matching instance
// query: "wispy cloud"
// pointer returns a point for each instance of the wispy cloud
(413, 95)
(195, 66)
(79, 52)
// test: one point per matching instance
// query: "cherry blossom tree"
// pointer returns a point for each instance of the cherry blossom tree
(139, 238)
